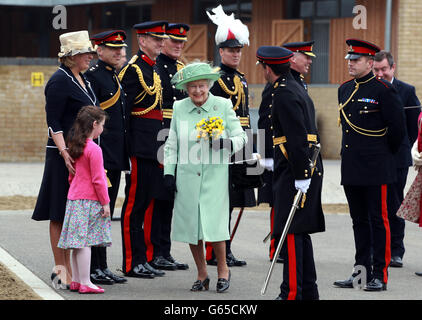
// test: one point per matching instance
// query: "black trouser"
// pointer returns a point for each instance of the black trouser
(395, 198)
(299, 273)
(99, 254)
(165, 211)
(368, 210)
(139, 218)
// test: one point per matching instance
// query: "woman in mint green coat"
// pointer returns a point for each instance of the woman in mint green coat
(197, 170)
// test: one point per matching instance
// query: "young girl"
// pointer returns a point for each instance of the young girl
(87, 218)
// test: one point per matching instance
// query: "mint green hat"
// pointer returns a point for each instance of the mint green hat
(194, 71)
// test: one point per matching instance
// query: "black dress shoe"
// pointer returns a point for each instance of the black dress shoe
(348, 283)
(180, 266)
(140, 272)
(156, 272)
(199, 285)
(115, 277)
(375, 285)
(160, 263)
(418, 274)
(98, 277)
(223, 284)
(396, 262)
(232, 261)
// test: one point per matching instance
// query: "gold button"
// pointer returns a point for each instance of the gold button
(306, 171)
(271, 128)
(319, 173)
(306, 175)
(350, 114)
(346, 145)
(347, 130)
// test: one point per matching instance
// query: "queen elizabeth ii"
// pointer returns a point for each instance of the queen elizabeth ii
(197, 170)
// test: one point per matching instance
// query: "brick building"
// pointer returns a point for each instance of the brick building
(33, 44)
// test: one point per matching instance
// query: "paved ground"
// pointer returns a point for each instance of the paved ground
(28, 242)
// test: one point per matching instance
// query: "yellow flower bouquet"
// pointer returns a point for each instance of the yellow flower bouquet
(210, 128)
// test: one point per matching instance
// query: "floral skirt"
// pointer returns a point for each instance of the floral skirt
(83, 225)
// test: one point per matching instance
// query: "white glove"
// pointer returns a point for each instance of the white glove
(267, 163)
(256, 156)
(302, 185)
(416, 155)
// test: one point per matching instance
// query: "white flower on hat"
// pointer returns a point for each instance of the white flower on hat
(228, 27)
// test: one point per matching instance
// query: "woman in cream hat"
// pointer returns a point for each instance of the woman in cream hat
(196, 171)
(66, 93)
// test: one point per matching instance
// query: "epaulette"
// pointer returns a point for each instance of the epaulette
(385, 83)
(281, 83)
(93, 68)
(123, 71)
(179, 65)
(240, 73)
(133, 59)
(347, 81)
(216, 69)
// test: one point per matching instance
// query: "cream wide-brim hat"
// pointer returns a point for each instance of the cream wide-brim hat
(73, 43)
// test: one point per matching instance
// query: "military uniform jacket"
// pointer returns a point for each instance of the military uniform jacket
(293, 120)
(233, 85)
(113, 141)
(167, 67)
(372, 122)
(142, 85)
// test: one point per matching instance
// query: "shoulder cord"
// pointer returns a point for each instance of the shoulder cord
(365, 132)
(238, 89)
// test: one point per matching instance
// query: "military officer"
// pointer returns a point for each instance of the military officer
(301, 61)
(230, 39)
(372, 122)
(144, 185)
(113, 141)
(294, 126)
(168, 64)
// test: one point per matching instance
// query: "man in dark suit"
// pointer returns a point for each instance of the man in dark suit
(384, 68)
(372, 122)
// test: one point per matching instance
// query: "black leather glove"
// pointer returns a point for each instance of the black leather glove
(222, 144)
(170, 183)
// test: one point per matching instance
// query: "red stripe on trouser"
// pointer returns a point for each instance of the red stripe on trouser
(208, 250)
(272, 243)
(384, 213)
(128, 212)
(291, 251)
(147, 231)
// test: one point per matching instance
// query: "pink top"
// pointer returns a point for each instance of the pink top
(89, 181)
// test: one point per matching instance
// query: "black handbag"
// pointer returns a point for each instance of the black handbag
(241, 180)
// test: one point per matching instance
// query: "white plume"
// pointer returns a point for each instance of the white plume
(224, 23)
